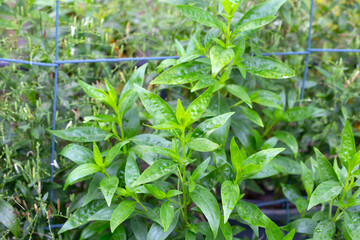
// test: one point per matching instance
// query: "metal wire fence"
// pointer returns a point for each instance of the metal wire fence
(57, 63)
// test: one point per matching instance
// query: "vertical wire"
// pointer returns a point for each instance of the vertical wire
(54, 99)
(307, 55)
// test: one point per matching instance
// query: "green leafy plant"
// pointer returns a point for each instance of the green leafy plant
(180, 172)
(334, 186)
(189, 179)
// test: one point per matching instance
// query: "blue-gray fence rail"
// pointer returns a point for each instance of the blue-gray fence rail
(57, 63)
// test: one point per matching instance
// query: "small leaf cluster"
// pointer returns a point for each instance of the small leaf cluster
(333, 185)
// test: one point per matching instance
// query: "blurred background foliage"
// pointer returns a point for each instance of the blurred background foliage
(91, 29)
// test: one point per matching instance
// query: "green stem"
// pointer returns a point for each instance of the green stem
(345, 189)
(269, 128)
(183, 179)
(237, 104)
(105, 173)
(174, 202)
(138, 201)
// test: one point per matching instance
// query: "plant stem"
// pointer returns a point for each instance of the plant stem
(138, 201)
(183, 179)
(269, 128)
(345, 189)
(174, 202)
(237, 104)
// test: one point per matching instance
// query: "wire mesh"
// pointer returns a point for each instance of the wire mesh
(57, 63)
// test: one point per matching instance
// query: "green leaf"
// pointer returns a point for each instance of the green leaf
(290, 192)
(104, 214)
(230, 193)
(119, 233)
(100, 118)
(266, 98)
(112, 93)
(155, 171)
(180, 113)
(352, 224)
(202, 145)
(139, 228)
(204, 82)
(113, 152)
(132, 172)
(252, 116)
(137, 78)
(251, 214)
(325, 170)
(190, 235)
(8, 218)
(142, 150)
(179, 48)
(213, 177)
(82, 134)
(272, 231)
(266, 9)
(226, 230)
(297, 114)
(121, 213)
(237, 157)
(230, 6)
(155, 191)
(307, 179)
(261, 159)
(220, 57)
(290, 235)
(131, 122)
(324, 193)
(173, 193)
(108, 186)
(324, 230)
(93, 229)
(347, 147)
(166, 214)
(81, 215)
(97, 155)
(210, 125)
(80, 172)
(356, 159)
(289, 140)
(242, 69)
(93, 92)
(182, 73)
(156, 106)
(199, 105)
(254, 24)
(239, 92)
(200, 170)
(78, 154)
(93, 190)
(268, 68)
(208, 204)
(158, 233)
(166, 126)
(126, 101)
(201, 16)
(304, 225)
